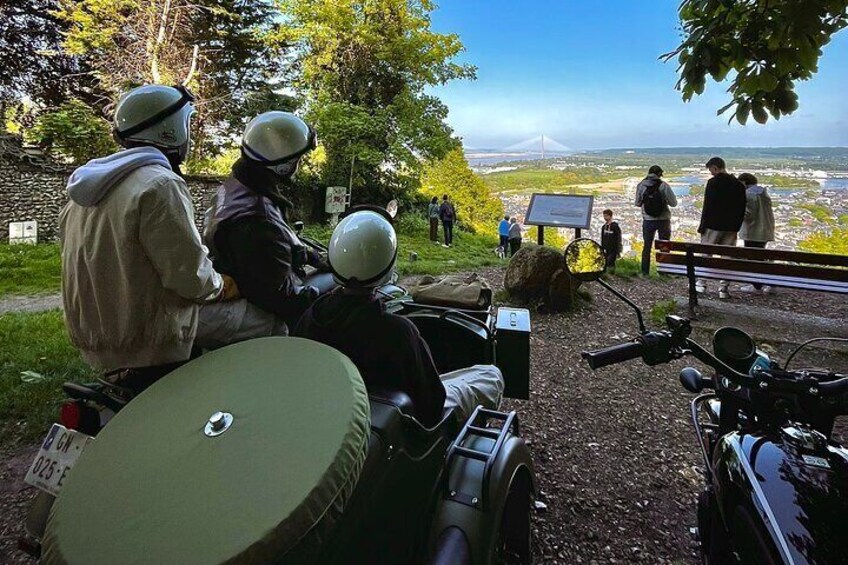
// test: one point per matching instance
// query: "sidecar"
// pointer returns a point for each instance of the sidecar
(272, 451)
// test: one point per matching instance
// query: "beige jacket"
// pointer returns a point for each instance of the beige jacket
(134, 268)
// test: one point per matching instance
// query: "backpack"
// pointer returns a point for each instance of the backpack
(653, 201)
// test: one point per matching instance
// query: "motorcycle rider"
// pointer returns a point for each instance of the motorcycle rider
(388, 349)
(138, 288)
(247, 229)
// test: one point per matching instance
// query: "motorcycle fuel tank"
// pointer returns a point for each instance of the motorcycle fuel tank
(797, 484)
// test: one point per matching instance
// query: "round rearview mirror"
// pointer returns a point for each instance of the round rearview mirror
(585, 259)
(392, 208)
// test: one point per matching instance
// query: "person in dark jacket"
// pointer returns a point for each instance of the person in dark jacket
(246, 227)
(610, 240)
(723, 213)
(447, 214)
(388, 349)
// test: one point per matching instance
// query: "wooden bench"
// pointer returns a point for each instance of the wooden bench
(773, 267)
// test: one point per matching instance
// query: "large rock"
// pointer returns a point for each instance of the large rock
(530, 271)
(562, 291)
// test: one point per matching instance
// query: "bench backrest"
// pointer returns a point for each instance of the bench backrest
(775, 267)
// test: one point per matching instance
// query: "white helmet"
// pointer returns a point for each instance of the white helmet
(363, 250)
(156, 115)
(277, 140)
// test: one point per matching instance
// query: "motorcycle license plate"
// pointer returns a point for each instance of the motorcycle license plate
(57, 455)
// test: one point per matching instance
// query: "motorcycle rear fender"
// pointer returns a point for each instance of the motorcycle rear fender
(799, 497)
(465, 506)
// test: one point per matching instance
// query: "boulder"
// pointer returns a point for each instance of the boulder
(530, 270)
(562, 291)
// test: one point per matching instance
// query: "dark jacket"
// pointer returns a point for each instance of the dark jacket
(724, 204)
(387, 349)
(611, 239)
(447, 212)
(250, 240)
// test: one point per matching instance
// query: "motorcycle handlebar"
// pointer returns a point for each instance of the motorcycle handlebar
(614, 354)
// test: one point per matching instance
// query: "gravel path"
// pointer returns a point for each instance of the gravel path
(36, 303)
(615, 454)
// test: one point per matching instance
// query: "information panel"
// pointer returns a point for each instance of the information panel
(560, 210)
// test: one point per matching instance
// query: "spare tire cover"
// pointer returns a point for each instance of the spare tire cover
(154, 488)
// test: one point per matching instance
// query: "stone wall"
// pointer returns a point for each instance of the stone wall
(33, 188)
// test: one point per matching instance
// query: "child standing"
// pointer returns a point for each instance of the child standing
(610, 239)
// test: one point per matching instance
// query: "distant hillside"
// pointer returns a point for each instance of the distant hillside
(825, 157)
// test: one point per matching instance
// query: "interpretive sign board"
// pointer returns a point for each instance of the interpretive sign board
(560, 211)
(23, 232)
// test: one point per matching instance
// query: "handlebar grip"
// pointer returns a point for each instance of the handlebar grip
(612, 355)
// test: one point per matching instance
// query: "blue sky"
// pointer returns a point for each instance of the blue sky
(587, 74)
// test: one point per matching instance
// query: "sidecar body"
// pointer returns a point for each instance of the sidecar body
(272, 451)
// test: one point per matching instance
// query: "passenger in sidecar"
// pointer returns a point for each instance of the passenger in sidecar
(388, 349)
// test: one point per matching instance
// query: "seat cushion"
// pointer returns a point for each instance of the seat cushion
(154, 488)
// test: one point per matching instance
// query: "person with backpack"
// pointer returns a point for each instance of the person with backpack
(655, 197)
(447, 214)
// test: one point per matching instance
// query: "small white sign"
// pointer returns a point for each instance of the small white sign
(23, 232)
(59, 451)
(336, 201)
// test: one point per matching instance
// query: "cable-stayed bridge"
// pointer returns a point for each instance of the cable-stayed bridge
(541, 144)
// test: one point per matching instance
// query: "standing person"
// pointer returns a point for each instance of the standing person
(654, 196)
(724, 210)
(610, 240)
(447, 214)
(433, 216)
(758, 223)
(503, 232)
(138, 288)
(247, 228)
(514, 236)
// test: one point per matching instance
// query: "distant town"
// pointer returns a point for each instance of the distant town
(809, 187)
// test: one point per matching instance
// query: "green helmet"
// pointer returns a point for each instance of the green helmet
(277, 140)
(362, 250)
(156, 115)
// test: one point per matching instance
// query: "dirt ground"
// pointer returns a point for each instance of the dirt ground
(616, 460)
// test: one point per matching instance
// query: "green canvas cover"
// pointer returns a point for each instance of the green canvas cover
(153, 488)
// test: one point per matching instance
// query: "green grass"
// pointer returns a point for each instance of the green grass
(629, 267)
(30, 269)
(662, 309)
(528, 179)
(35, 342)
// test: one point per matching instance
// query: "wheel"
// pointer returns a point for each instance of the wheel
(515, 535)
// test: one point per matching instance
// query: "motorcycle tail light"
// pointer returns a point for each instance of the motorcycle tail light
(70, 415)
